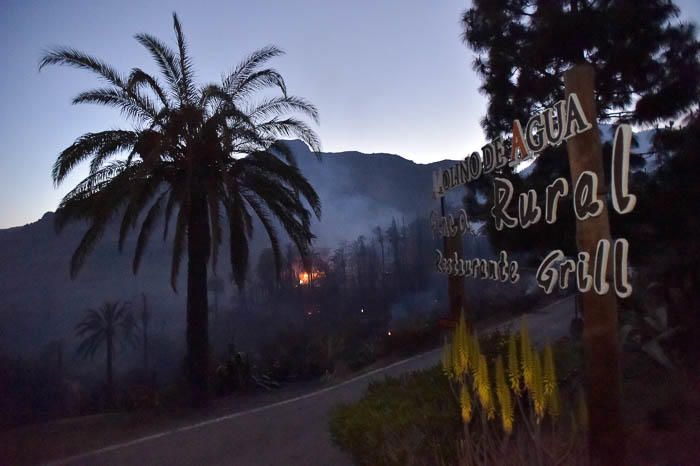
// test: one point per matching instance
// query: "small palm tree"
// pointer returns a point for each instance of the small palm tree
(202, 155)
(112, 323)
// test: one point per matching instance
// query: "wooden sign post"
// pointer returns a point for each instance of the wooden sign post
(600, 334)
(455, 283)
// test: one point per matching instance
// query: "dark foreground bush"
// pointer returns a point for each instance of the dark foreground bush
(400, 421)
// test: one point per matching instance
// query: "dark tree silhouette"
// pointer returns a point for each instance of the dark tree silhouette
(645, 59)
(200, 154)
(647, 70)
(393, 234)
(339, 262)
(112, 323)
(379, 236)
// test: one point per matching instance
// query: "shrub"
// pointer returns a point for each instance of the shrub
(233, 374)
(359, 356)
(411, 335)
(400, 421)
(294, 354)
(479, 409)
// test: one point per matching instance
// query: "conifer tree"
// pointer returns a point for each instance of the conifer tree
(646, 59)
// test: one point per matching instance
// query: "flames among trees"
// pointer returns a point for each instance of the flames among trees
(309, 277)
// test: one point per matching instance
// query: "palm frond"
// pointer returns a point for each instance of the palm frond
(240, 228)
(165, 58)
(257, 81)
(281, 149)
(286, 207)
(97, 181)
(87, 244)
(174, 198)
(233, 81)
(111, 320)
(146, 229)
(275, 106)
(267, 165)
(89, 346)
(78, 59)
(138, 78)
(142, 191)
(100, 145)
(130, 103)
(266, 220)
(291, 127)
(187, 88)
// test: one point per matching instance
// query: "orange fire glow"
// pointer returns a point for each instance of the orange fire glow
(306, 278)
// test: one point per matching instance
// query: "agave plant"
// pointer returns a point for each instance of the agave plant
(111, 324)
(646, 328)
(206, 158)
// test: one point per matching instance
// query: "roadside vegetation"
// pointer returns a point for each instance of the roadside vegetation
(500, 400)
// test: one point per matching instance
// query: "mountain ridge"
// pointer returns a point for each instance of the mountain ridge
(358, 191)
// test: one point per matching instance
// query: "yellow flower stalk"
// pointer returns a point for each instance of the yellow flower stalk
(554, 403)
(537, 392)
(550, 375)
(483, 387)
(526, 355)
(513, 365)
(458, 361)
(462, 334)
(504, 400)
(465, 403)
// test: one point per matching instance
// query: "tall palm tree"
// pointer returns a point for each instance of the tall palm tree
(200, 154)
(112, 323)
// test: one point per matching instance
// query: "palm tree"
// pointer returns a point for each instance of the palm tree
(113, 322)
(199, 154)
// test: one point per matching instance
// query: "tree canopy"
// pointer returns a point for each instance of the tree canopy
(646, 59)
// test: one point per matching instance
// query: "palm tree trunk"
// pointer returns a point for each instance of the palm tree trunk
(600, 337)
(455, 283)
(198, 243)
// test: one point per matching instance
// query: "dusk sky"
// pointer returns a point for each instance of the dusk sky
(387, 76)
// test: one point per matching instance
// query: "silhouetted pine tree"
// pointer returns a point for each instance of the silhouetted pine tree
(646, 60)
(647, 71)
